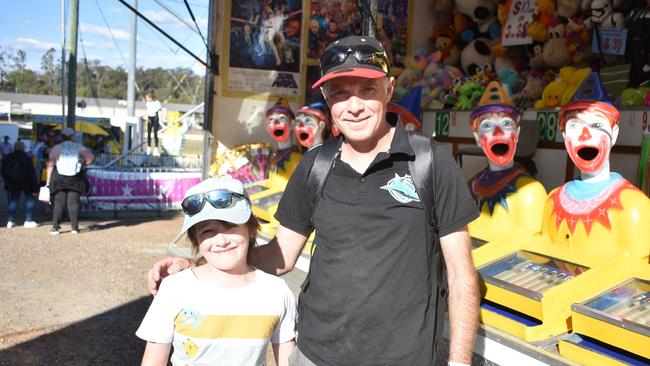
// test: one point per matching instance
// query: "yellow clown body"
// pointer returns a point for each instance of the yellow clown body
(509, 199)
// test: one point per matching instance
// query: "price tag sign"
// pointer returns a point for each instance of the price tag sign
(442, 124)
(548, 125)
(612, 41)
(520, 15)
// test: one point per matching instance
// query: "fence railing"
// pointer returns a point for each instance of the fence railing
(135, 161)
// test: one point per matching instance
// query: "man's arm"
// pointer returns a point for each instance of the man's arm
(463, 294)
(87, 155)
(51, 161)
(279, 256)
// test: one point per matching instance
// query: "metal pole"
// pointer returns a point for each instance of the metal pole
(130, 97)
(370, 8)
(62, 63)
(209, 90)
(72, 64)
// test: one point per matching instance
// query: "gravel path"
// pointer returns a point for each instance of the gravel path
(78, 299)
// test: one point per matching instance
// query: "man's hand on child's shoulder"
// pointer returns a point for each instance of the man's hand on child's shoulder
(163, 268)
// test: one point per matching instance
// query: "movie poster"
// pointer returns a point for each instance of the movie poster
(264, 42)
(334, 19)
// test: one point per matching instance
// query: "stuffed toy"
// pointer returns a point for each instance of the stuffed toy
(552, 94)
(503, 8)
(531, 91)
(406, 80)
(464, 27)
(567, 8)
(443, 6)
(602, 14)
(483, 13)
(469, 94)
(555, 53)
(445, 41)
(574, 78)
(632, 98)
(646, 98)
(475, 55)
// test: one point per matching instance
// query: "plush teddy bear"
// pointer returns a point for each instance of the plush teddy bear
(445, 41)
(483, 13)
(475, 55)
(531, 91)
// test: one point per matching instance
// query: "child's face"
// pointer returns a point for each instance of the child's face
(223, 245)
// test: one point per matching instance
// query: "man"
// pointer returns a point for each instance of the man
(19, 176)
(5, 147)
(367, 299)
(66, 179)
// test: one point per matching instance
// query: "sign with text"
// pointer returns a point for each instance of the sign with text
(519, 16)
(609, 41)
(548, 125)
(442, 124)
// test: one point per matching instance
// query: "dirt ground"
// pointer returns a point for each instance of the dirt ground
(78, 299)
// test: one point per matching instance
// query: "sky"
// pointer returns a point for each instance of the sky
(35, 25)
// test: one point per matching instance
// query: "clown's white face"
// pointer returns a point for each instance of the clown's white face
(588, 138)
(308, 129)
(497, 134)
(278, 125)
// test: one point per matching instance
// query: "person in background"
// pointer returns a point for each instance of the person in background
(5, 147)
(19, 175)
(223, 312)
(65, 178)
(153, 109)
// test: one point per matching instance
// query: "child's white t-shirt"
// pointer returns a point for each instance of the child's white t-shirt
(210, 325)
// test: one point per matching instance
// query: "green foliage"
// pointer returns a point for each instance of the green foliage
(94, 80)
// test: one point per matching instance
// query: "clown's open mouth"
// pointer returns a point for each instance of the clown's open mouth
(278, 133)
(500, 149)
(588, 153)
(303, 136)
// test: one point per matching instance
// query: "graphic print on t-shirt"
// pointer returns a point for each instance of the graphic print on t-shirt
(402, 189)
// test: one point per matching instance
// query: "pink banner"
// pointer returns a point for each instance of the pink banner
(129, 189)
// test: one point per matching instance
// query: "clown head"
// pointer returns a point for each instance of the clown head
(311, 121)
(278, 122)
(495, 124)
(589, 125)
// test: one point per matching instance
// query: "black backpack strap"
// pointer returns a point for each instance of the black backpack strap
(321, 168)
(422, 171)
(316, 181)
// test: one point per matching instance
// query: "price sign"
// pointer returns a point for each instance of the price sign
(548, 125)
(520, 15)
(612, 41)
(442, 124)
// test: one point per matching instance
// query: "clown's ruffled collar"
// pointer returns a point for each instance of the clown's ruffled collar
(492, 187)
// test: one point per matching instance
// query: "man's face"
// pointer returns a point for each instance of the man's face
(497, 134)
(307, 128)
(278, 125)
(588, 138)
(358, 105)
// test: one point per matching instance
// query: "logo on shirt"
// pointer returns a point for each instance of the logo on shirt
(402, 189)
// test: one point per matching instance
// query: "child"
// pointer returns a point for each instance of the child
(223, 312)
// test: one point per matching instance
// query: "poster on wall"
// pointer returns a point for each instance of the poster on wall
(264, 47)
(334, 19)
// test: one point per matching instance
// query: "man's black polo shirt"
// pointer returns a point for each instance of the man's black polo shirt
(367, 300)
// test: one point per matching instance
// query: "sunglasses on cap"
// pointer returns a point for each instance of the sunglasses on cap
(364, 54)
(219, 198)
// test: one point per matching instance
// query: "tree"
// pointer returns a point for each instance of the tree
(49, 72)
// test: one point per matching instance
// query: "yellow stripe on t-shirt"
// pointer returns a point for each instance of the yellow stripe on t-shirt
(228, 326)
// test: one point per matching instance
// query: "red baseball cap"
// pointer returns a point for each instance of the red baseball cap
(369, 59)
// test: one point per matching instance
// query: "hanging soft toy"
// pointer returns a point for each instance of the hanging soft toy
(538, 29)
(445, 41)
(602, 14)
(552, 94)
(483, 13)
(476, 55)
(555, 52)
(574, 78)
(532, 91)
(411, 75)
(312, 124)
(567, 8)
